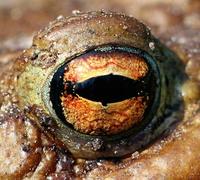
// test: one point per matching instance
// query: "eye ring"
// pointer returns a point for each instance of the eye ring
(108, 146)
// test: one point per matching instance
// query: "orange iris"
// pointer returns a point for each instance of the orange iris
(92, 117)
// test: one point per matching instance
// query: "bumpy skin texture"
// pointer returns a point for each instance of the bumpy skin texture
(28, 150)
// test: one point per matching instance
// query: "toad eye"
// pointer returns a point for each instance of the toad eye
(106, 91)
(107, 83)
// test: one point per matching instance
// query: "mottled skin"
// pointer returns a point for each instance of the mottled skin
(28, 150)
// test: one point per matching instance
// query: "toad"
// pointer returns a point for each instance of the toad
(97, 96)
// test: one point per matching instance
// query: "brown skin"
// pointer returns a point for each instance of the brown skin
(38, 153)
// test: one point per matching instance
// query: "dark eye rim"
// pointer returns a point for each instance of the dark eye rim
(95, 146)
(107, 48)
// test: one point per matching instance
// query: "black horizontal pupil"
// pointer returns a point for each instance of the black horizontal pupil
(108, 88)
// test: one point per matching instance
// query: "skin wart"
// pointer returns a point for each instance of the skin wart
(30, 151)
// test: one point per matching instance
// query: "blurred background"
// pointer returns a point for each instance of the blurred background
(20, 19)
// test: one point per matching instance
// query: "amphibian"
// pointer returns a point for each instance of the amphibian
(42, 133)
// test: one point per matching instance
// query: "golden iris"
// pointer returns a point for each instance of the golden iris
(105, 91)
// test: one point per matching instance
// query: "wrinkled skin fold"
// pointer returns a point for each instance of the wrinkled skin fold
(30, 147)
